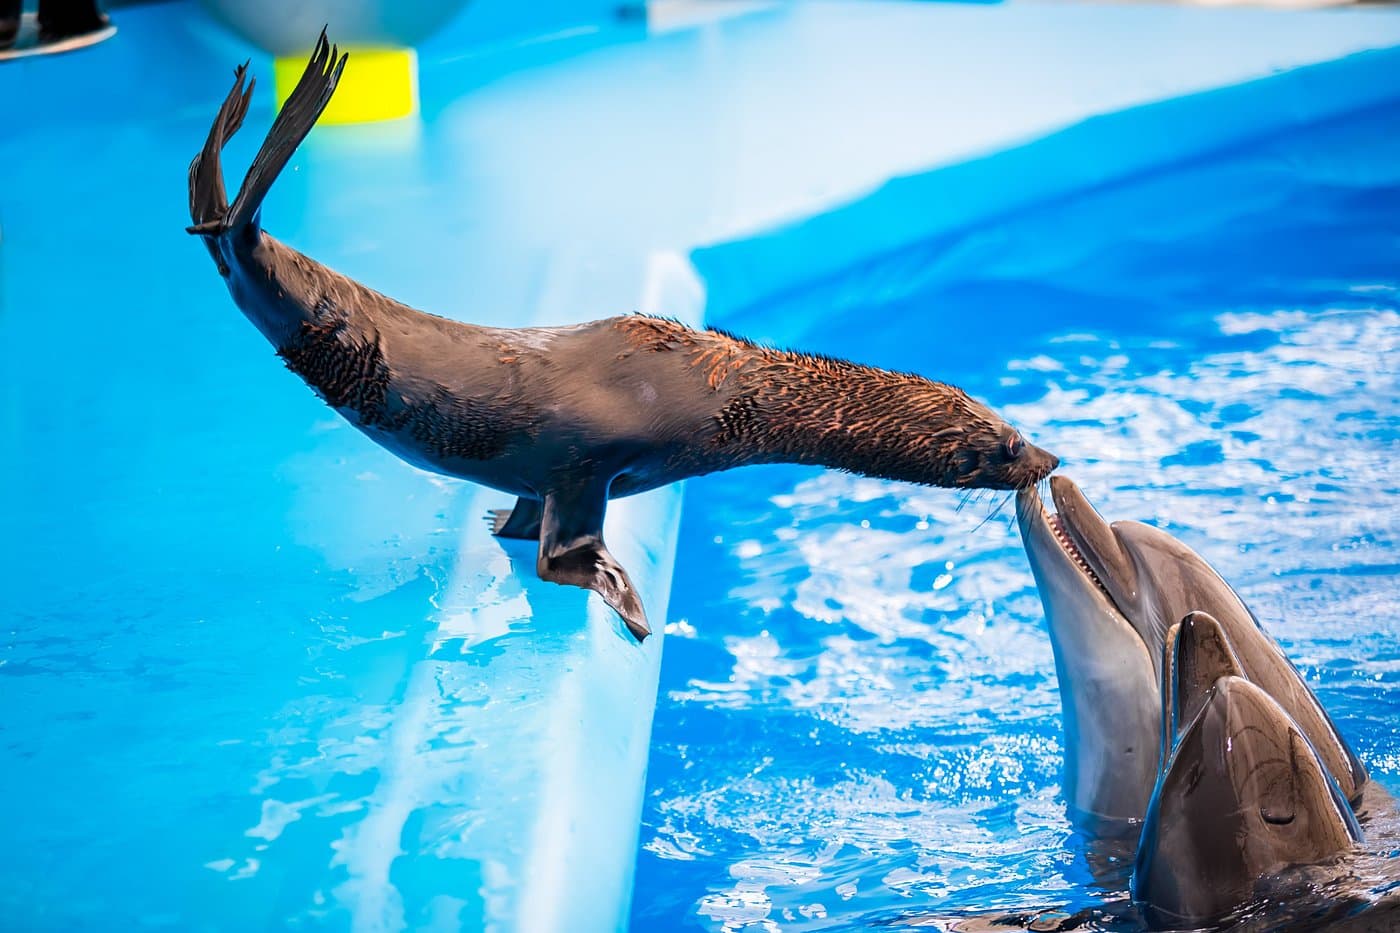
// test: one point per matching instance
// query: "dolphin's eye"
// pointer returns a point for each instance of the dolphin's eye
(1013, 446)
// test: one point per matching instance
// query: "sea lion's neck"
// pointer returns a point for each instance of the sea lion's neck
(283, 292)
(325, 326)
(776, 406)
(810, 409)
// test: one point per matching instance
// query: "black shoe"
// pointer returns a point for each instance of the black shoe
(10, 12)
(63, 19)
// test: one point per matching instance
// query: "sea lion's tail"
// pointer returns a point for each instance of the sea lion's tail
(209, 208)
(208, 204)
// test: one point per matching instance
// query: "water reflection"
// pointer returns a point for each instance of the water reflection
(880, 726)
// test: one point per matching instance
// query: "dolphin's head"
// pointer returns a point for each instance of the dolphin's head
(1105, 666)
(1243, 797)
(1197, 654)
(1111, 594)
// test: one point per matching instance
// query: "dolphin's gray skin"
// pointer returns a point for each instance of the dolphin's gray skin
(1197, 653)
(1111, 594)
(567, 418)
(1243, 798)
(1244, 822)
(1102, 664)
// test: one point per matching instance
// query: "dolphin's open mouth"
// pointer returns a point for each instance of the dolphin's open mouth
(1090, 545)
(1066, 542)
(1074, 525)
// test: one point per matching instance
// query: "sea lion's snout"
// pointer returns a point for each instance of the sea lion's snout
(1007, 463)
(1026, 466)
(1002, 459)
(1038, 464)
(991, 456)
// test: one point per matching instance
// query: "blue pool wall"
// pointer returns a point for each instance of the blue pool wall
(905, 226)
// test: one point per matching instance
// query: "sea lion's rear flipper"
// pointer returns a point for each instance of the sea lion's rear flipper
(522, 522)
(572, 551)
(211, 215)
(208, 203)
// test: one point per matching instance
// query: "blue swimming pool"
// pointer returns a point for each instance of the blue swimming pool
(256, 673)
(858, 718)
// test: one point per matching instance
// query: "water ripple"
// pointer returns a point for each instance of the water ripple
(866, 716)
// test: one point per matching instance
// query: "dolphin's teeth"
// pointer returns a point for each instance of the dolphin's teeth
(1057, 528)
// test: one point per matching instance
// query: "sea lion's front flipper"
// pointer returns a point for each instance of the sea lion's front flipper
(521, 522)
(572, 551)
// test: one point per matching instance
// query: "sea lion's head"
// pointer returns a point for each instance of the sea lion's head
(1004, 459)
(805, 408)
(979, 450)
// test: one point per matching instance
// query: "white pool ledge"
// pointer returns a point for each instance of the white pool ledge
(563, 736)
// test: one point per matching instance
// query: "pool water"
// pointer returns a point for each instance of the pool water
(858, 718)
(257, 674)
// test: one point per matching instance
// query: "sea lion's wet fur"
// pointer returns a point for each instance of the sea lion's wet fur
(780, 406)
(568, 417)
(739, 404)
(348, 370)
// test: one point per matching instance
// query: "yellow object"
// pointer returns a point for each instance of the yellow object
(377, 84)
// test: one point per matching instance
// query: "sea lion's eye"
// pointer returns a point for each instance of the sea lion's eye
(1013, 446)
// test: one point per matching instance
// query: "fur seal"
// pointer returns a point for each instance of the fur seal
(567, 417)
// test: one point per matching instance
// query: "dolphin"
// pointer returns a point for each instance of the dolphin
(1111, 595)
(1244, 796)
(1197, 653)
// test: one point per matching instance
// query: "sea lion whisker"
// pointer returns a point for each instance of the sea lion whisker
(996, 511)
(970, 497)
